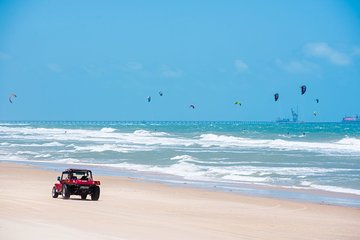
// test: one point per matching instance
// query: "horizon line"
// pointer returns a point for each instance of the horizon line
(159, 121)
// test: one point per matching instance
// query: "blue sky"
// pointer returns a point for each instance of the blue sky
(100, 60)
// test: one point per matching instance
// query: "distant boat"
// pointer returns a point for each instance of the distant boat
(295, 117)
(351, 119)
(283, 120)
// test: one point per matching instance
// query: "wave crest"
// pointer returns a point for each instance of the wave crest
(107, 130)
(343, 146)
(146, 133)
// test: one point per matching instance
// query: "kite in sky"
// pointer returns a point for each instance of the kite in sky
(11, 97)
(303, 89)
(237, 103)
(276, 96)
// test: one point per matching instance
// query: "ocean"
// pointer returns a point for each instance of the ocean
(317, 162)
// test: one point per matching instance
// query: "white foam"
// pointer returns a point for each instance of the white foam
(148, 133)
(26, 153)
(67, 161)
(51, 144)
(246, 178)
(14, 124)
(184, 169)
(306, 183)
(336, 189)
(181, 157)
(104, 135)
(108, 130)
(42, 156)
(310, 185)
(113, 147)
(349, 141)
(188, 158)
(343, 146)
(12, 157)
(184, 158)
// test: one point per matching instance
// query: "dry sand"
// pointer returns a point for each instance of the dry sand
(129, 209)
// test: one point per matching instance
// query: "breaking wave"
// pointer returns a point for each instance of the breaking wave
(226, 157)
(108, 130)
(343, 146)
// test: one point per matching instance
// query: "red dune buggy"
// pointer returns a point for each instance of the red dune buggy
(76, 182)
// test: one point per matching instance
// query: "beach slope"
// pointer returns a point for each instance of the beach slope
(130, 209)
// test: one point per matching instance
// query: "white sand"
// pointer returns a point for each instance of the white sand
(134, 210)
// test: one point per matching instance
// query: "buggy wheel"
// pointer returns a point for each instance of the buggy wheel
(95, 194)
(65, 192)
(83, 196)
(54, 194)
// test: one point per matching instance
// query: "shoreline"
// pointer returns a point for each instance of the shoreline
(317, 196)
(132, 209)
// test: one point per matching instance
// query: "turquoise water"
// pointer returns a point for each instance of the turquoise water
(232, 156)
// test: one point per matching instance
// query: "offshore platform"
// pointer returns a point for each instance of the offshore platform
(295, 118)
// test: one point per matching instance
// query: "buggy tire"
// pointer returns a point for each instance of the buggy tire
(96, 193)
(54, 194)
(65, 192)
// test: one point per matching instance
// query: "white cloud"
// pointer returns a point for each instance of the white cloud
(240, 65)
(166, 71)
(296, 66)
(323, 50)
(54, 67)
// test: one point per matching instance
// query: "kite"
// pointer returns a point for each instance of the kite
(317, 100)
(303, 89)
(192, 106)
(237, 103)
(276, 96)
(161, 93)
(149, 99)
(11, 97)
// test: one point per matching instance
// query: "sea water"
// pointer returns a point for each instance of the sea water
(306, 161)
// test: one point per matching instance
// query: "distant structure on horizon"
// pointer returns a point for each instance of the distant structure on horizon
(349, 119)
(295, 118)
(295, 115)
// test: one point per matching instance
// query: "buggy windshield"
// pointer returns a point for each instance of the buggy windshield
(77, 175)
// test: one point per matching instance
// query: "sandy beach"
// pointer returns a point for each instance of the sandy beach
(130, 209)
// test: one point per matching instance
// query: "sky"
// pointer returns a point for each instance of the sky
(100, 60)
